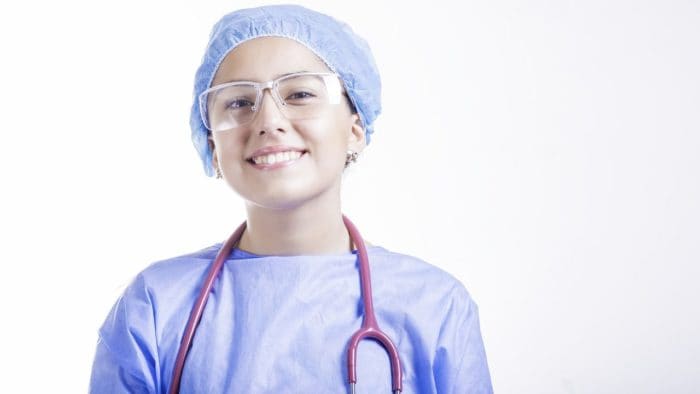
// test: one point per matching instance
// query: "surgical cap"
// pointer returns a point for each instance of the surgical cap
(334, 42)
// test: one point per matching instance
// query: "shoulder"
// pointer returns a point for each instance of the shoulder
(174, 272)
(156, 293)
(181, 263)
(419, 276)
(156, 289)
(400, 263)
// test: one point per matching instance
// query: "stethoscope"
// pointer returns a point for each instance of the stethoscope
(369, 328)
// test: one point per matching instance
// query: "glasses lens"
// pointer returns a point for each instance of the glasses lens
(308, 96)
(299, 96)
(229, 107)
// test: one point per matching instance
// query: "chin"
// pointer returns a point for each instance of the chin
(277, 204)
(276, 198)
(286, 199)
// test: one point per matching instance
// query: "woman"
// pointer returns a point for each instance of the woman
(284, 100)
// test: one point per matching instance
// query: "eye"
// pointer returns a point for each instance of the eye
(239, 103)
(300, 95)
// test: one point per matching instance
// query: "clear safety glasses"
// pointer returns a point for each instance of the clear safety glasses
(299, 96)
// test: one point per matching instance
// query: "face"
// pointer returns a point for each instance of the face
(322, 141)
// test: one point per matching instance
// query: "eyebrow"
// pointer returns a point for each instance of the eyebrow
(253, 80)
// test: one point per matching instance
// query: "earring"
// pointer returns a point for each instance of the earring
(218, 173)
(351, 157)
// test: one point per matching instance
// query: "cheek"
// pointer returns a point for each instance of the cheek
(329, 131)
(228, 146)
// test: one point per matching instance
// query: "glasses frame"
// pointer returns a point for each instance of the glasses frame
(260, 88)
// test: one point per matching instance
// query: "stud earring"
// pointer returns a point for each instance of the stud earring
(351, 157)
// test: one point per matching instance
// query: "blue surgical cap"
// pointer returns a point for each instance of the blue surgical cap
(334, 42)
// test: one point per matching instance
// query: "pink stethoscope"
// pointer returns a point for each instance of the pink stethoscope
(369, 328)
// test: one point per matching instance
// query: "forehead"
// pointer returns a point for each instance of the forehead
(266, 58)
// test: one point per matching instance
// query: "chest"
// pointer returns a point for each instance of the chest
(265, 333)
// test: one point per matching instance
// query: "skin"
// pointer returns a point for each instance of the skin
(296, 209)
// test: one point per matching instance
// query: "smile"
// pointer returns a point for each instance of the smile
(275, 160)
(278, 157)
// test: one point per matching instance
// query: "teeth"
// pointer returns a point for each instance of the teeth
(278, 157)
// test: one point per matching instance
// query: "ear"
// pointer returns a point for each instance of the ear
(214, 156)
(356, 136)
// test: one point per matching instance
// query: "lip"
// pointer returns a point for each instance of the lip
(275, 149)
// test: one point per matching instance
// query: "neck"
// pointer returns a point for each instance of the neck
(316, 228)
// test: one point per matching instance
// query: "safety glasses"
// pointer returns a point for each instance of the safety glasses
(304, 95)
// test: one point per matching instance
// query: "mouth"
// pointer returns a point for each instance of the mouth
(276, 159)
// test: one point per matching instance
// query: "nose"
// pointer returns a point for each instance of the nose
(269, 115)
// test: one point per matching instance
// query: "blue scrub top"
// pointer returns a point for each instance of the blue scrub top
(282, 324)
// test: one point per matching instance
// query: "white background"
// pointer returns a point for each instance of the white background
(544, 152)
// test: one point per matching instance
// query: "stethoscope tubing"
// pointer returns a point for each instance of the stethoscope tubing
(369, 329)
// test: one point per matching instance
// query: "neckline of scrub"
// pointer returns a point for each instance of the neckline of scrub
(238, 254)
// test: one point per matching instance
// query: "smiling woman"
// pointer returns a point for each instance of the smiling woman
(285, 100)
(254, 141)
